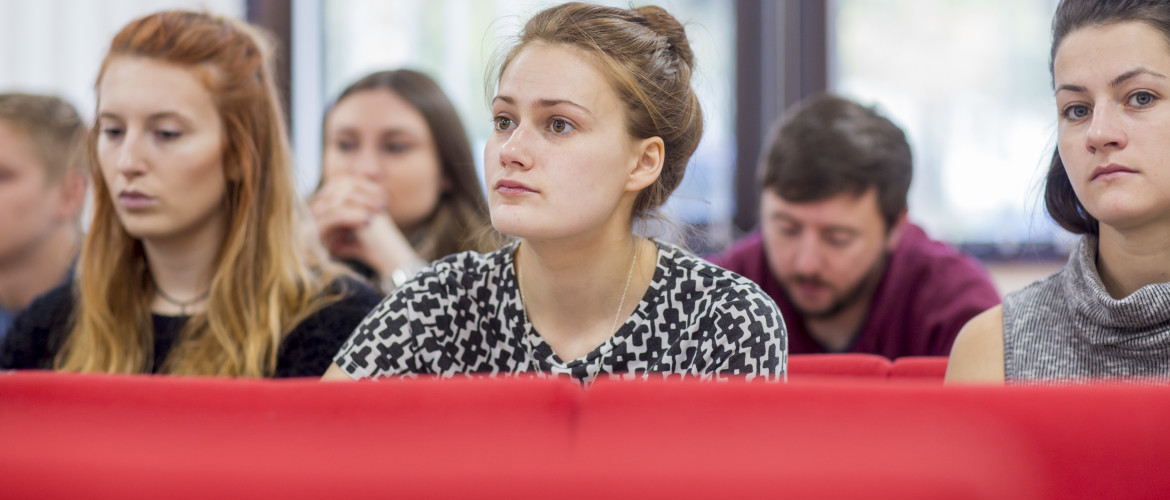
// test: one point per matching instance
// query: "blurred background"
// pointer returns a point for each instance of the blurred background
(966, 79)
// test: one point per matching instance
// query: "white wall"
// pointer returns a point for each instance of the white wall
(55, 46)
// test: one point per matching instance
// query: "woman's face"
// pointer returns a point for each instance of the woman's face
(1114, 129)
(160, 150)
(378, 136)
(559, 159)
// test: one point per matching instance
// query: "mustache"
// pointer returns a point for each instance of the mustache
(807, 279)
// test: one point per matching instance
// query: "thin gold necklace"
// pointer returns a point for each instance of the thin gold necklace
(617, 315)
(182, 304)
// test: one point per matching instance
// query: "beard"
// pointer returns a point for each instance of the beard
(854, 294)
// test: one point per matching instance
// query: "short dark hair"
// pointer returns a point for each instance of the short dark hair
(828, 145)
(1059, 198)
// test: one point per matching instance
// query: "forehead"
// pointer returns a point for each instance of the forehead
(139, 86)
(557, 72)
(378, 109)
(16, 147)
(1104, 52)
(844, 209)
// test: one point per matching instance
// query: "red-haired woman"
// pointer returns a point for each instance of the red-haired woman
(196, 263)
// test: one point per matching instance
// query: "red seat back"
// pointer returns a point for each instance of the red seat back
(920, 367)
(73, 436)
(813, 366)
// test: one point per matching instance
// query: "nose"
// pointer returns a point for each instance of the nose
(516, 150)
(130, 160)
(807, 257)
(365, 163)
(1107, 130)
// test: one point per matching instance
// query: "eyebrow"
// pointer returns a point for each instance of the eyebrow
(1116, 81)
(154, 116)
(544, 103)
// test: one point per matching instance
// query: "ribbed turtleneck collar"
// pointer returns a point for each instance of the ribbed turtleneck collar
(1141, 319)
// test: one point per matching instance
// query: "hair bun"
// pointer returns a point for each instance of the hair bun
(659, 20)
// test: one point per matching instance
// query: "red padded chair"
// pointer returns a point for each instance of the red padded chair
(98, 436)
(813, 366)
(840, 439)
(920, 367)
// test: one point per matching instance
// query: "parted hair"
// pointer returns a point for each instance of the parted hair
(52, 126)
(1059, 198)
(266, 278)
(645, 53)
(459, 221)
(828, 145)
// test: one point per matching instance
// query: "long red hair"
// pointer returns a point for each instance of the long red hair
(268, 275)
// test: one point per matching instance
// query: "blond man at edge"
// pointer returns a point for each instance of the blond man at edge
(42, 190)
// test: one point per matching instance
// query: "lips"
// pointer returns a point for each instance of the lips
(1111, 171)
(132, 199)
(508, 187)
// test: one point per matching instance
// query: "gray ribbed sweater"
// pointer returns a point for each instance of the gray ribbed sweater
(1067, 327)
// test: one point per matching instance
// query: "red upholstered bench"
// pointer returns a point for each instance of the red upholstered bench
(842, 439)
(812, 366)
(88, 436)
(919, 367)
(94, 437)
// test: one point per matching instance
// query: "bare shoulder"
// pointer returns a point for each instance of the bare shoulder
(335, 374)
(977, 355)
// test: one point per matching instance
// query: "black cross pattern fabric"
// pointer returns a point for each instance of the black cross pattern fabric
(464, 316)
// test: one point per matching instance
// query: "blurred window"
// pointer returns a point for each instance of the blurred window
(968, 81)
(454, 41)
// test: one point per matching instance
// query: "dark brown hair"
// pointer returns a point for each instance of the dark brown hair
(1071, 15)
(648, 59)
(828, 145)
(460, 220)
(53, 127)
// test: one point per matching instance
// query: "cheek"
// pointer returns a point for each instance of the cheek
(332, 163)
(413, 182)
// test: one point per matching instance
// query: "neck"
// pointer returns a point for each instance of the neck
(572, 289)
(1129, 260)
(836, 332)
(39, 268)
(182, 268)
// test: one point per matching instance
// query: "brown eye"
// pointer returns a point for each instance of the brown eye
(559, 126)
(503, 123)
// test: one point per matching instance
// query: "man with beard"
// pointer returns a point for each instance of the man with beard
(835, 250)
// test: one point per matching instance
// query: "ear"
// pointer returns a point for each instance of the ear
(72, 186)
(896, 231)
(649, 156)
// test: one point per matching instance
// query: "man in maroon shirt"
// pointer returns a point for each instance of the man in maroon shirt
(835, 250)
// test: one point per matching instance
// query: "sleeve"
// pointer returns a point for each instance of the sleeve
(37, 332)
(388, 341)
(308, 349)
(968, 292)
(750, 339)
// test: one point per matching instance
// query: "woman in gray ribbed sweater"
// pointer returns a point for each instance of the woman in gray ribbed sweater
(1107, 313)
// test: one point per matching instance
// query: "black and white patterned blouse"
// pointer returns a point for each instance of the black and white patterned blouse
(464, 315)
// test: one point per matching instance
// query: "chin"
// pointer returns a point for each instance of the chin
(1125, 213)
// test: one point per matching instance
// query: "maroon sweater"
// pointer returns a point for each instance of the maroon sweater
(929, 291)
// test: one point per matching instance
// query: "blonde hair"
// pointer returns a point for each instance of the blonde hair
(266, 278)
(53, 127)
